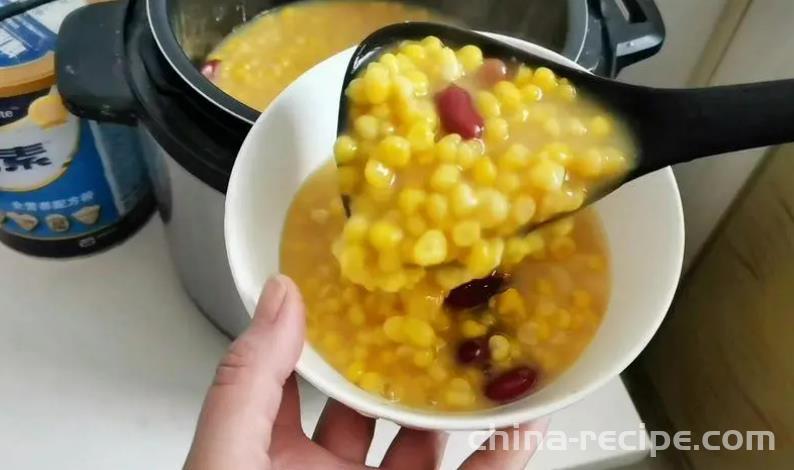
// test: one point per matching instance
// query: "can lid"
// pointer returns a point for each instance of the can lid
(27, 47)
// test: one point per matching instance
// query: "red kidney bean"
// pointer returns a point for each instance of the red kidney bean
(209, 68)
(476, 292)
(473, 350)
(511, 385)
(492, 72)
(458, 114)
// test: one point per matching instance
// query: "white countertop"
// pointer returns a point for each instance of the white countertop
(104, 362)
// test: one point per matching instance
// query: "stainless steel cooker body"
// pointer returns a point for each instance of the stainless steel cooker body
(143, 70)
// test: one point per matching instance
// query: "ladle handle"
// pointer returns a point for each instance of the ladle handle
(675, 126)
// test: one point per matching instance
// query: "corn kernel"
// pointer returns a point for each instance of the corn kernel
(393, 328)
(356, 315)
(545, 79)
(418, 332)
(488, 105)
(445, 177)
(415, 225)
(423, 358)
(372, 382)
(466, 233)
(470, 57)
(391, 63)
(496, 130)
(394, 151)
(499, 347)
(523, 75)
(600, 126)
(436, 207)
(472, 329)
(463, 199)
(421, 137)
(558, 151)
(446, 149)
(345, 149)
(552, 127)
(366, 126)
(378, 175)
(581, 298)
(510, 304)
(403, 88)
(355, 371)
(484, 257)
(574, 127)
(410, 200)
(544, 286)
(459, 398)
(614, 161)
(468, 152)
(515, 250)
(547, 175)
(356, 229)
(437, 373)
(523, 209)
(563, 319)
(449, 277)
(588, 164)
(484, 171)
(516, 157)
(445, 65)
(508, 94)
(377, 83)
(562, 247)
(430, 248)
(355, 91)
(431, 43)
(531, 93)
(507, 182)
(419, 81)
(389, 261)
(382, 112)
(415, 52)
(493, 208)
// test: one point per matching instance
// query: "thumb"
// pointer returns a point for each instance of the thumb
(236, 420)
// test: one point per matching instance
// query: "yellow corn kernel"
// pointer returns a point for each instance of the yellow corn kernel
(356, 229)
(508, 94)
(574, 127)
(535, 243)
(552, 127)
(445, 177)
(484, 171)
(499, 347)
(449, 277)
(462, 199)
(419, 81)
(488, 105)
(545, 307)
(372, 382)
(345, 149)
(466, 233)
(484, 257)
(515, 250)
(366, 126)
(355, 91)
(531, 93)
(394, 151)
(544, 287)
(496, 130)
(615, 161)
(410, 200)
(416, 226)
(430, 248)
(418, 332)
(377, 83)
(431, 43)
(581, 298)
(421, 137)
(560, 152)
(516, 157)
(391, 63)
(507, 182)
(511, 304)
(393, 328)
(472, 329)
(493, 208)
(436, 207)
(459, 398)
(415, 52)
(389, 261)
(562, 247)
(563, 319)
(355, 371)
(445, 65)
(403, 88)
(523, 75)
(547, 175)
(348, 178)
(600, 126)
(378, 174)
(423, 358)
(468, 153)
(545, 79)
(566, 92)
(356, 315)
(523, 209)
(437, 372)
(588, 164)
(470, 58)
(446, 149)
(382, 112)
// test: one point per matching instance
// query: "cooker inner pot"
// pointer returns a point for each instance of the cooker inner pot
(199, 25)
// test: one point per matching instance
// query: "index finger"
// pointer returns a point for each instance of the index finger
(510, 449)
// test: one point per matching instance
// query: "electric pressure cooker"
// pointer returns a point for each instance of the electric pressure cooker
(136, 61)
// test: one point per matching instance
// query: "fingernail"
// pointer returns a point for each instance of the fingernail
(272, 298)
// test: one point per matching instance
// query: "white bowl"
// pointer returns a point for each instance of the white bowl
(643, 222)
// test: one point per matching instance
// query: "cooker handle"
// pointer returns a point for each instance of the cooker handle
(634, 31)
(90, 64)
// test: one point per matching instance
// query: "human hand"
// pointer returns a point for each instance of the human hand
(251, 414)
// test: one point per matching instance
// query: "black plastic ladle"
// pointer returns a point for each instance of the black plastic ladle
(669, 126)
